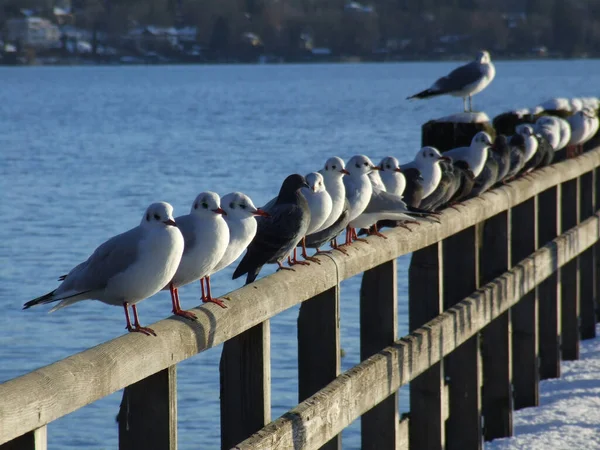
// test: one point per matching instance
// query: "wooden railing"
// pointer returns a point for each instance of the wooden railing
(509, 277)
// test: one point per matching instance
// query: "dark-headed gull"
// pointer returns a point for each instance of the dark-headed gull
(464, 81)
(206, 237)
(474, 155)
(278, 234)
(127, 268)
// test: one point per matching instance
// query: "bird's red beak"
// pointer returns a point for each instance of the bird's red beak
(375, 167)
(345, 172)
(170, 222)
(260, 212)
(219, 211)
(444, 158)
(397, 169)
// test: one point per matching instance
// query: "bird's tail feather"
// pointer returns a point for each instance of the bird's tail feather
(50, 298)
(424, 94)
(47, 298)
(252, 274)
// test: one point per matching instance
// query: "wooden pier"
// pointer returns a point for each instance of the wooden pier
(500, 293)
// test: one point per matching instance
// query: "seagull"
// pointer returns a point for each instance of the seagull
(517, 156)
(531, 143)
(488, 176)
(126, 269)
(278, 234)
(319, 203)
(465, 182)
(464, 81)
(240, 219)
(500, 151)
(584, 125)
(206, 237)
(330, 234)
(564, 130)
(549, 128)
(333, 173)
(392, 176)
(446, 187)
(358, 190)
(475, 155)
(427, 162)
(413, 192)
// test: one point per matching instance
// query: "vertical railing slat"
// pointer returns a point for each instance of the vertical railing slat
(463, 366)
(524, 314)
(569, 275)
(549, 289)
(427, 409)
(319, 347)
(148, 413)
(245, 372)
(587, 263)
(378, 329)
(34, 440)
(496, 346)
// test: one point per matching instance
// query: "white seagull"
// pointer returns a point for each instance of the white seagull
(206, 237)
(464, 81)
(320, 204)
(333, 173)
(126, 269)
(358, 190)
(475, 155)
(427, 162)
(392, 176)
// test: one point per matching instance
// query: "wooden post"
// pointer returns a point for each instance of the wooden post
(569, 274)
(427, 400)
(34, 440)
(587, 263)
(597, 245)
(456, 130)
(549, 289)
(496, 350)
(525, 313)
(148, 413)
(378, 329)
(245, 372)
(463, 366)
(319, 347)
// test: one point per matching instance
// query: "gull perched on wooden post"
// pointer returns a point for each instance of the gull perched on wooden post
(464, 81)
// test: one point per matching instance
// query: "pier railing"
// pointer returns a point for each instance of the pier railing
(500, 292)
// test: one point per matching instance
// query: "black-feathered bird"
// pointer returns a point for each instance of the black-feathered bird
(413, 192)
(278, 234)
(517, 156)
(500, 151)
(487, 178)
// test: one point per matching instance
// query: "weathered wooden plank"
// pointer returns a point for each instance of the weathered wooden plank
(569, 276)
(378, 329)
(463, 366)
(148, 413)
(496, 345)
(39, 397)
(34, 440)
(319, 347)
(245, 371)
(549, 290)
(587, 263)
(425, 302)
(525, 314)
(326, 413)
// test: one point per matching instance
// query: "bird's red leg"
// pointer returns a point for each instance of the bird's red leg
(136, 324)
(305, 255)
(282, 267)
(348, 237)
(356, 238)
(177, 306)
(128, 327)
(202, 288)
(335, 246)
(295, 260)
(209, 298)
(323, 252)
(375, 231)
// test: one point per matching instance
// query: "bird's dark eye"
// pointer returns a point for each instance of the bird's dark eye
(205, 205)
(232, 205)
(357, 166)
(388, 167)
(148, 217)
(243, 206)
(333, 167)
(196, 205)
(156, 217)
(366, 164)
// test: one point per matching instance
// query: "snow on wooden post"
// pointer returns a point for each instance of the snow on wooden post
(319, 347)
(587, 262)
(525, 314)
(456, 130)
(570, 275)
(34, 440)
(496, 346)
(549, 289)
(427, 391)
(245, 372)
(378, 329)
(463, 366)
(148, 413)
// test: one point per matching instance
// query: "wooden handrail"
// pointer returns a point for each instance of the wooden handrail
(39, 397)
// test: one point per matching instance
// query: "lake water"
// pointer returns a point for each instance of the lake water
(84, 150)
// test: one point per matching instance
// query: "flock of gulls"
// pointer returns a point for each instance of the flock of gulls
(353, 197)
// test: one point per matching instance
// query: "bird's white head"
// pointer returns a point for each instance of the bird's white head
(483, 57)
(428, 156)
(334, 167)
(207, 204)
(526, 130)
(360, 165)
(315, 182)
(158, 215)
(389, 164)
(239, 206)
(481, 140)
(588, 112)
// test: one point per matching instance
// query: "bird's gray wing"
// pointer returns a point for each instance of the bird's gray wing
(316, 240)
(108, 260)
(458, 153)
(186, 226)
(382, 201)
(459, 78)
(269, 205)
